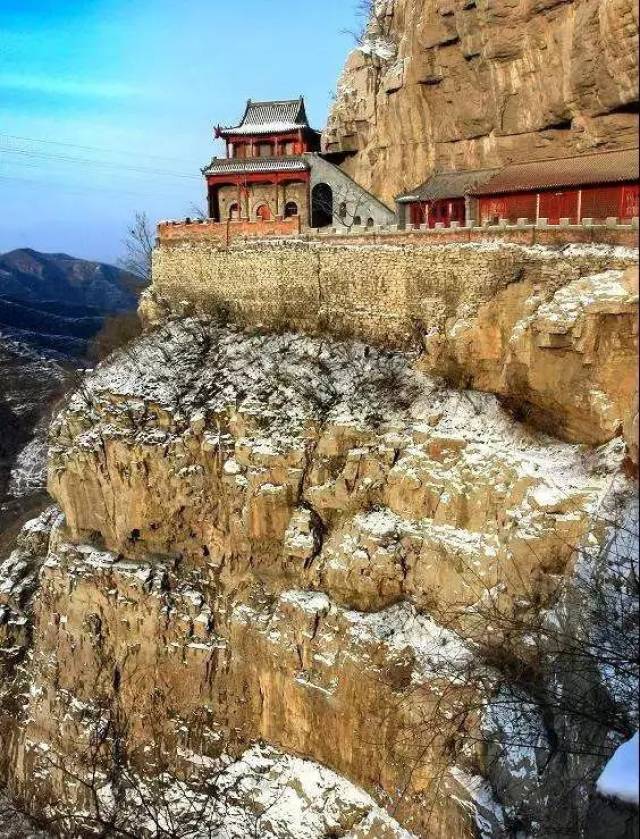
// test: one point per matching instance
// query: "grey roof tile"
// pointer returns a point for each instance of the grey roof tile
(598, 168)
(448, 185)
(253, 165)
(267, 117)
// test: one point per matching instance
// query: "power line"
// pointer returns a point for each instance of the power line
(104, 164)
(18, 165)
(125, 152)
(85, 190)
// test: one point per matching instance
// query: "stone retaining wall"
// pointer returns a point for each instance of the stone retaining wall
(383, 293)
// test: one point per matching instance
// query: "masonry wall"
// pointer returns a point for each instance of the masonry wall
(379, 292)
(274, 196)
(358, 203)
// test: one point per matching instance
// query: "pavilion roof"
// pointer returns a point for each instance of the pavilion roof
(447, 185)
(270, 118)
(255, 165)
(599, 168)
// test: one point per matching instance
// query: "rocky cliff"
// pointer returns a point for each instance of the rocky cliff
(309, 544)
(443, 84)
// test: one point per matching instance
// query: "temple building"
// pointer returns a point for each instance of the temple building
(274, 169)
(562, 190)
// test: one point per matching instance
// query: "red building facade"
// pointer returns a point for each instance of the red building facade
(264, 174)
(597, 187)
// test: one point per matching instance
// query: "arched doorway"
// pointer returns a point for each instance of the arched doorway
(234, 211)
(290, 209)
(263, 213)
(321, 206)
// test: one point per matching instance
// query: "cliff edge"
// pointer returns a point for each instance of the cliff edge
(466, 84)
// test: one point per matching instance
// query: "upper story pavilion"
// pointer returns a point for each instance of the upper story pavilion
(265, 173)
(271, 129)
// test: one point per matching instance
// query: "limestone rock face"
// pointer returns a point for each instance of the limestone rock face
(472, 83)
(295, 541)
(566, 357)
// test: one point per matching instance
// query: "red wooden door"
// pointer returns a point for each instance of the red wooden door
(557, 205)
(417, 213)
(437, 213)
(444, 212)
(629, 202)
(456, 211)
(263, 212)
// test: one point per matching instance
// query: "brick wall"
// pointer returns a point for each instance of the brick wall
(222, 234)
(375, 291)
(623, 235)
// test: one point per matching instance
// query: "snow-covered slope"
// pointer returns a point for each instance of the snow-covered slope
(30, 383)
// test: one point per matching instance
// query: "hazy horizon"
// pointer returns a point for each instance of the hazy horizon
(107, 107)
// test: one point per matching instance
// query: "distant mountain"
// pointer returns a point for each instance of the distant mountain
(58, 303)
(51, 308)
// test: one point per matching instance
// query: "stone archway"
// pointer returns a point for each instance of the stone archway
(263, 212)
(321, 205)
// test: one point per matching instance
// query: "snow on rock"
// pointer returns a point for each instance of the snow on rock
(620, 778)
(480, 801)
(265, 793)
(436, 650)
(378, 47)
(29, 473)
(299, 799)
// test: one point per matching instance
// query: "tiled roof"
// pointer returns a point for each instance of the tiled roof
(448, 185)
(271, 117)
(253, 165)
(603, 167)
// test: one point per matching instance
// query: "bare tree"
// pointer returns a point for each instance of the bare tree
(364, 13)
(198, 212)
(549, 691)
(139, 244)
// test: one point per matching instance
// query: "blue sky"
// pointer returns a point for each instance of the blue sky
(95, 93)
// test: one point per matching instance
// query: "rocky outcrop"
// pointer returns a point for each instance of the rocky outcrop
(465, 84)
(552, 331)
(565, 360)
(304, 542)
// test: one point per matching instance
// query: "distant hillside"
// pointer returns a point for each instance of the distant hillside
(57, 303)
(30, 385)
